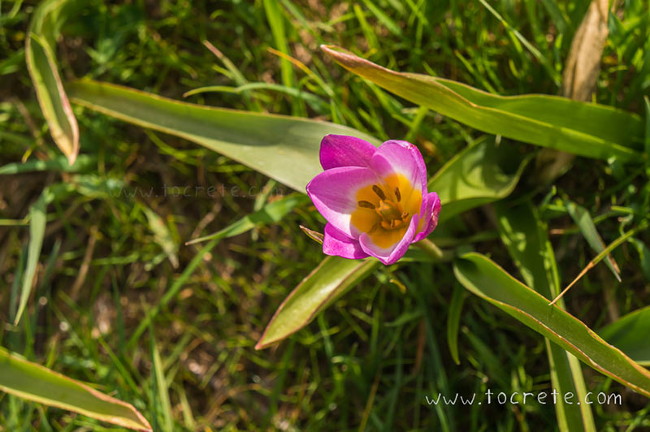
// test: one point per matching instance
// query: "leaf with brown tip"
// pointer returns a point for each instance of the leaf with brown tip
(584, 129)
(487, 280)
(44, 73)
(36, 383)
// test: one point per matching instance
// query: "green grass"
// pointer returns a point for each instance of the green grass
(369, 361)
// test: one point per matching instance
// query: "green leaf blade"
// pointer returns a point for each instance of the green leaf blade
(487, 280)
(271, 213)
(525, 236)
(630, 334)
(547, 121)
(587, 227)
(453, 321)
(37, 222)
(475, 177)
(44, 73)
(330, 280)
(264, 142)
(39, 384)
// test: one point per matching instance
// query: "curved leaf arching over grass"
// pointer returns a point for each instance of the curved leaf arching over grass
(581, 128)
(487, 280)
(284, 148)
(39, 384)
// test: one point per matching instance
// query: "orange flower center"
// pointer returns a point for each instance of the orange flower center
(384, 210)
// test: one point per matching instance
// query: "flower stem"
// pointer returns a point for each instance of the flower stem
(434, 251)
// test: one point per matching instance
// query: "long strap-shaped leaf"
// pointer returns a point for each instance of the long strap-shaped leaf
(487, 280)
(284, 148)
(584, 129)
(630, 334)
(37, 383)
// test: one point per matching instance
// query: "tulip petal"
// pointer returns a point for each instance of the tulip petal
(340, 150)
(337, 243)
(401, 157)
(334, 193)
(391, 254)
(427, 220)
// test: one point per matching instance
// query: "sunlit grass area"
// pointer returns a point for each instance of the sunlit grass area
(121, 302)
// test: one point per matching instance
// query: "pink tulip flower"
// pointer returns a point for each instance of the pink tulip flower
(375, 200)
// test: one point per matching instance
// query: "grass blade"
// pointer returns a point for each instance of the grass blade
(58, 164)
(646, 142)
(160, 384)
(613, 245)
(583, 219)
(275, 18)
(271, 213)
(453, 321)
(162, 235)
(268, 214)
(37, 221)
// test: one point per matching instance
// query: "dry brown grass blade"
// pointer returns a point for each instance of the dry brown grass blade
(603, 254)
(584, 271)
(583, 65)
(314, 235)
(578, 81)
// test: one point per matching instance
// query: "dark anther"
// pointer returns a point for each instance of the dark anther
(398, 195)
(380, 193)
(366, 204)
